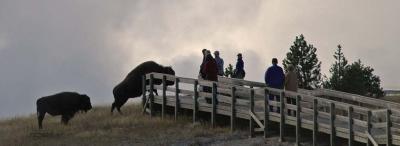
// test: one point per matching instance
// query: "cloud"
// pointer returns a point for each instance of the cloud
(89, 46)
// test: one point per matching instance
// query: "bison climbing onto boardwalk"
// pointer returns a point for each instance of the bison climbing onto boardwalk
(131, 86)
(65, 104)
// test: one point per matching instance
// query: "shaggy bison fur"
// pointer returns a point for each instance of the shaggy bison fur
(65, 104)
(131, 86)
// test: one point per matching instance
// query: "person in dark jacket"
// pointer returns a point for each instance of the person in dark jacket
(211, 73)
(239, 72)
(201, 74)
(274, 78)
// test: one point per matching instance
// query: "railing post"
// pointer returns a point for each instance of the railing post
(144, 92)
(251, 122)
(214, 104)
(369, 126)
(350, 126)
(315, 121)
(388, 125)
(282, 122)
(151, 95)
(298, 120)
(176, 98)
(164, 96)
(195, 103)
(332, 119)
(266, 111)
(233, 109)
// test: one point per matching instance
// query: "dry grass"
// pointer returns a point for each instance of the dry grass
(392, 98)
(98, 127)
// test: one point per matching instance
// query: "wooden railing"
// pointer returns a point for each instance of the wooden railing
(249, 100)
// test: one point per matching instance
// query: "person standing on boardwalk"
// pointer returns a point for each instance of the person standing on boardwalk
(211, 73)
(291, 84)
(274, 78)
(201, 74)
(220, 63)
(239, 72)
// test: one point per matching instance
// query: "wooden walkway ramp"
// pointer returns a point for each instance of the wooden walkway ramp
(353, 117)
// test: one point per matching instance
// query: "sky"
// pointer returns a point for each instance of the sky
(49, 46)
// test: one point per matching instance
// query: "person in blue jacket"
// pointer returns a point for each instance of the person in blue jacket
(274, 78)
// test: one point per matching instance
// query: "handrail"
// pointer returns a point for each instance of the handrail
(319, 107)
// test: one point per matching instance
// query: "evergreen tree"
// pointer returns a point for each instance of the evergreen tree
(304, 58)
(359, 79)
(337, 70)
(228, 71)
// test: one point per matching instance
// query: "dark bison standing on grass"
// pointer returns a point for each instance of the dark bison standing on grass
(131, 86)
(65, 104)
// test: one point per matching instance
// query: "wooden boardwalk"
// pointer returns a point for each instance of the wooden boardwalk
(353, 117)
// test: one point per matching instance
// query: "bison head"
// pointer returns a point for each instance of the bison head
(170, 71)
(85, 104)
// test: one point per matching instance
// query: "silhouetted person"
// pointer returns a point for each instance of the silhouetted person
(201, 74)
(211, 73)
(220, 63)
(239, 72)
(274, 78)
(291, 84)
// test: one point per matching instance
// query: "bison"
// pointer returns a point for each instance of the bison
(65, 104)
(131, 86)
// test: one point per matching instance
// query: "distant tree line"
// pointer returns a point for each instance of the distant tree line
(355, 78)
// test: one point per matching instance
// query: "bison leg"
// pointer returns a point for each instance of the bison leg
(112, 107)
(118, 104)
(40, 116)
(66, 117)
(154, 91)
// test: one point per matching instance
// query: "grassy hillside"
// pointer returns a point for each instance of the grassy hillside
(99, 127)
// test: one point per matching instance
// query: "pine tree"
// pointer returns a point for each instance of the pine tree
(304, 58)
(337, 70)
(359, 79)
(228, 71)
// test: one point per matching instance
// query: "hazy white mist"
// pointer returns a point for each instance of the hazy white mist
(89, 46)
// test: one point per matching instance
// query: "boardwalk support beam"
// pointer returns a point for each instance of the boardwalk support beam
(282, 122)
(144, 100)
(315, 121)
(298, 120)
(350, 126)
(266, 112)
(388, 125)
(164, 96)
(332, 123)
(369, 126)
(151, 96)
(233, 109)
(251, 121)
(195, 102)
(176, 98)
(214, 104)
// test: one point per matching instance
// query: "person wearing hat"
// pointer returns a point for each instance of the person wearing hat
(220, 63)
(239, 72)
